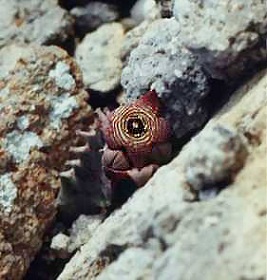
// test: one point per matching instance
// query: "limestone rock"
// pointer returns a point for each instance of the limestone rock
(160, 62)
(228, 36)
(42, 22)
(99, 57)
(41, 102)
(93, 15)
(221, 238)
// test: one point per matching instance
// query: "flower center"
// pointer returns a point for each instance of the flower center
(136, 127)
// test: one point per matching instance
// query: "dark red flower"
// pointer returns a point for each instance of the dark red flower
(136, 128)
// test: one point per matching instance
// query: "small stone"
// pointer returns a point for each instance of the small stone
(99, 57)
(214, 157)
(82, 230)
(60, 242)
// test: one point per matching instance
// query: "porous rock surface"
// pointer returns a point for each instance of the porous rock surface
(160, 234)
(132, 39)
(99, 57)
(205, 168)
(42, 22)
(41, 101)
(160, 62)
(229, 37)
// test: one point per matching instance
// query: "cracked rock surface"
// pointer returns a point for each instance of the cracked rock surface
(229, 37)
(41, 101)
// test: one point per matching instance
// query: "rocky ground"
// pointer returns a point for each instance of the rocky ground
(202, 215)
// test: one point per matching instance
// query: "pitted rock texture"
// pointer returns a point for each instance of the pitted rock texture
(41, 102)
(207, 168)
(229, 37)
(132, 39)
(34, 21)
(99, 57)
(160, 62)
(93, 15)
(172, 238)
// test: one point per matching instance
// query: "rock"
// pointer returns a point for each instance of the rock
(93, 15)
(82, 230)
(132, 39)
(42, 22)
(60, 242)
(160, 62)
(214, 157)
(144, 10)
(9, 56)
(133, 263)
(38, 115)
(220, 238)
(228, 37)
(99, 57)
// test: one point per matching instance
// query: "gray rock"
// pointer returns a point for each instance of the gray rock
(228, 37)
(217, 239)
(93, 15)
(42, 22)
(214, 157)
(222, 230)
(160, 62)
(99, 57)
(132, 39)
